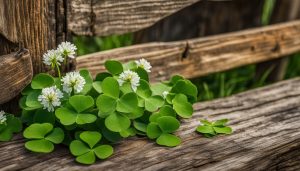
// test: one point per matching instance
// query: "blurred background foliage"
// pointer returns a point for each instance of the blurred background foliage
(212, 86)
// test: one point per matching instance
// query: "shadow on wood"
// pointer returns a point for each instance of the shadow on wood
(15, 73)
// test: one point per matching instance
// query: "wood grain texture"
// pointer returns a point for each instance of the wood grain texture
(202, 56)
(106, 17)
(15, 73)
(266, 137)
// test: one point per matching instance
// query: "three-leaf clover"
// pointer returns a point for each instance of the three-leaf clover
(210, 129)
(162, 128)
(10, 126)
(79, 114)
(42, 136)
(151, 102)
(85, 148)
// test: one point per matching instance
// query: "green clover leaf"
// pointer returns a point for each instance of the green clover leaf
(10, 126)
(163, 111)
(41, 81)
(42, 136)
(182, 106)
(210, 129)
(114, 67)
(97, 86)
(151, 103)
(168, 140)
(110, 87)
(85, 148)
(88, 81)
(117, 122)
(187, 88)
(32, 99)
(102, 76)
(80, 116)
(168, 124)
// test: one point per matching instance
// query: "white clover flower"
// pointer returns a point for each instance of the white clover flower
(164, 94)
(52, 57)
(67, 49)
(131, 77)
(73, 81)
(142, 63)
(50, 98)
(2, 117)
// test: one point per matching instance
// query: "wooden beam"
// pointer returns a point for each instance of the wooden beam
(266, 137)
(106, 17)
(15, 73)
(202, 56)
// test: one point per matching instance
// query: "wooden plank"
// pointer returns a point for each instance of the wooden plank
(266, 137)
(105, 17)
(16, 72)
(34, 25)
(202, 56)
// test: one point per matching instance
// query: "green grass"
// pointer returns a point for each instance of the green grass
(212, 86)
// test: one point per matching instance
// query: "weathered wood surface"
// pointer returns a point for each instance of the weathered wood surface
(266, 124)
(34, 25)
(15, 73)
(283, 11)
(202, 56)
(105, 17)
(202, 19)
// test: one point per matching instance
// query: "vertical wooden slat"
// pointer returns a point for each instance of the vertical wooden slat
(34, 25)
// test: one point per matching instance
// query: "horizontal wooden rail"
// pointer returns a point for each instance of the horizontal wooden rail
(266, 137)
(105, 17)
(202, 56)
(15, 73)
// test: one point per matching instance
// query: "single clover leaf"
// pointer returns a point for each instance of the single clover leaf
(163, 111)
(168, 124)
(88, 81)
(117, 122)
(114, 67)
(85, 148)
(210, 129)
(187, 88)
(32, 99)
(110, 87)
(182, 106)
(42, 136)
(97, 86)
(80, 115)
(169, 140)
(10, 126)
(41, 81)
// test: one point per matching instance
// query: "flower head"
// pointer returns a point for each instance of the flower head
(2, 117)
(67, 49)
(50, 98)
(73, 81)
(142, 63)
(164, 94)
(131, 77)
(52, 57)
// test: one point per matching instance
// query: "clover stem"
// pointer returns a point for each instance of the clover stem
(58, 70)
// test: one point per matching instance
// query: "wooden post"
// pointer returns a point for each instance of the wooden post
(284, 11)
(34, 25)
